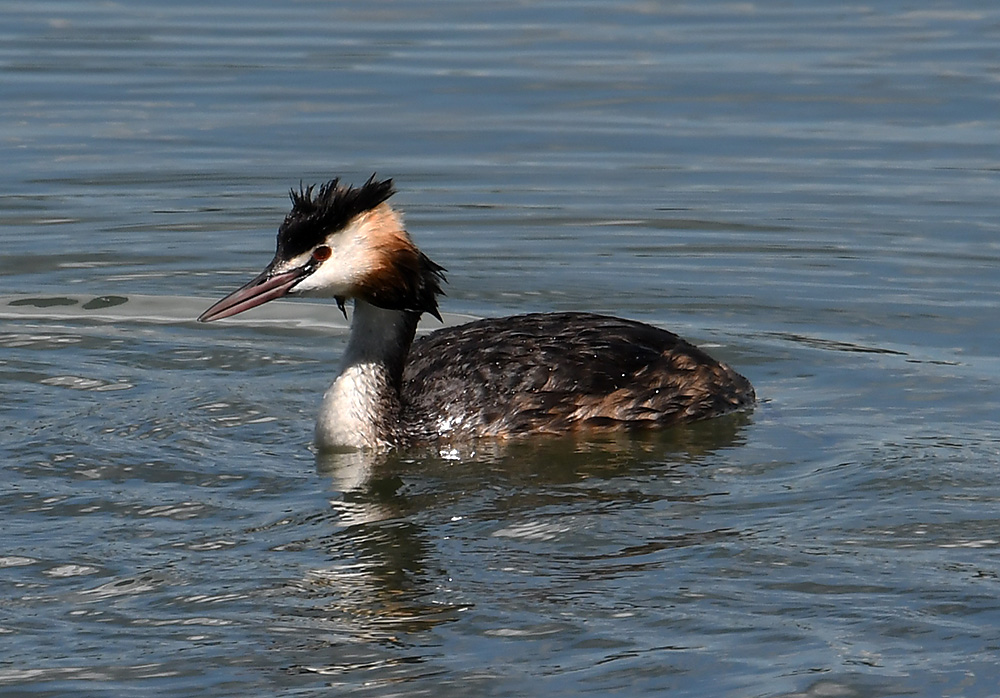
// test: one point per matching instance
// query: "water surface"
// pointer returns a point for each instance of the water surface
(809, 193)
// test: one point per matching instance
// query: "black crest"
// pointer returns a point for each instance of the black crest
(315, 214)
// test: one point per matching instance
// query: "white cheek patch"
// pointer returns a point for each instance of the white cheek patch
(350, 260)
(327, 281)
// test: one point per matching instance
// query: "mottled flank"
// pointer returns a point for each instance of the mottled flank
(559, 372)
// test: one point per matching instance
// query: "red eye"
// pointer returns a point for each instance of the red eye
(322, 253)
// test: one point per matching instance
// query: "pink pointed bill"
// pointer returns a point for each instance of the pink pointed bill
(260, 290)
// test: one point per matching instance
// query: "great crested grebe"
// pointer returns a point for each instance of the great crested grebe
(503, 377)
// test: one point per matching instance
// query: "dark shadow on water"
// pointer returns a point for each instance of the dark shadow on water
(544, 459)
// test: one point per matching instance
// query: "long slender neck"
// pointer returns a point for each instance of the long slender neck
(362, 407)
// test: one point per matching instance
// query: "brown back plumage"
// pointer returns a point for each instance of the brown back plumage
(558, 372)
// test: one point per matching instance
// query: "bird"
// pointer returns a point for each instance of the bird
(494, 378)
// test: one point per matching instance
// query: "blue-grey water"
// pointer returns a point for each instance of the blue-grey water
(810, 192)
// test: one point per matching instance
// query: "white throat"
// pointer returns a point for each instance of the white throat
(362, 407)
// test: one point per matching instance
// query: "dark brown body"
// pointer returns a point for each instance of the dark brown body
(560, 372)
